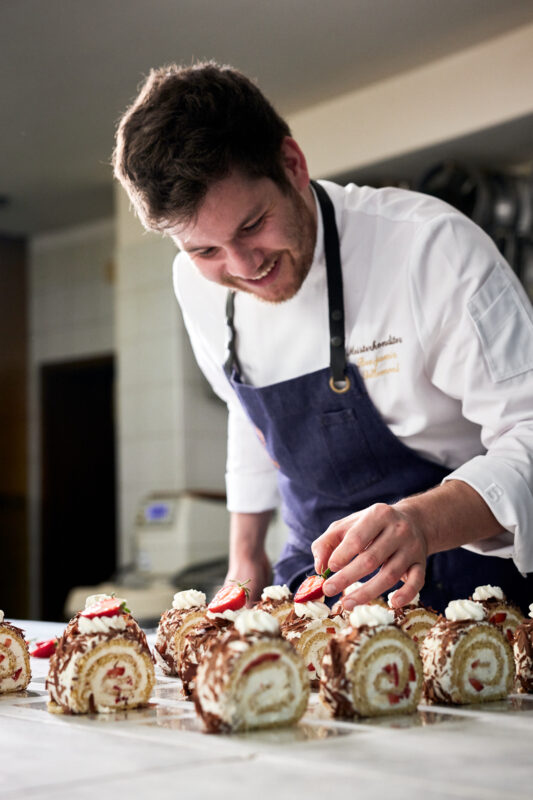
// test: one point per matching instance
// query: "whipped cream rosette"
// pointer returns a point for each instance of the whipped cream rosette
(523, 654)
(466, 658)
(371, 668)
(276, 600)
(251, 678)
(500, 612)
(220, 615)
(15, 672)
(414, 618)
(338, 607)
(102, 662)
(188, 609)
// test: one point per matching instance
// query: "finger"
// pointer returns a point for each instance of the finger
(360, 535)
(389, 575)
(325, 544)
(413, 583)
(367, 562)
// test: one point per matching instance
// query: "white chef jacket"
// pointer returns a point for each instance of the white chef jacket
(439, 327)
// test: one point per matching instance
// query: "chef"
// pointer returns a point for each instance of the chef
(374, 350)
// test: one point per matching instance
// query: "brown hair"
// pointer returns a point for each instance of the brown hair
(188, 128)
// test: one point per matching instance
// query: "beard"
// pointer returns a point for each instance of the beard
(292, 263)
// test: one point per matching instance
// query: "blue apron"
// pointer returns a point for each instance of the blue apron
(336, 455)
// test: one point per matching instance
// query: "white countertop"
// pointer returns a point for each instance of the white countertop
(160, 752)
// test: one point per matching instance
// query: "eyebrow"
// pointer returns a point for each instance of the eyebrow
(258, 210)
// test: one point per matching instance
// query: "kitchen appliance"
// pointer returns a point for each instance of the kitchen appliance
(174, 534)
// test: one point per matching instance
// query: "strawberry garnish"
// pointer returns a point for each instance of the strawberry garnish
(311, 588)
(229, 598)
(105, 608)
(498, 618)
(44, 649)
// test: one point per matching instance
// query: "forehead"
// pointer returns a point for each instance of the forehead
(228, 204)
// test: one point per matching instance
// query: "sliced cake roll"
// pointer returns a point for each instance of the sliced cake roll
(251, 678)
(466, 658)
(499, 611)
(371, 668)
(102, 663)
(15, 673)
(188, 609)
(414, 618)
(523, 655)
(220, 615)
(276, 600)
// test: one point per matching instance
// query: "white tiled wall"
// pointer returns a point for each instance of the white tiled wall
(172, 436)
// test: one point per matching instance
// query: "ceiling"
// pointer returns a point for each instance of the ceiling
(70, 67)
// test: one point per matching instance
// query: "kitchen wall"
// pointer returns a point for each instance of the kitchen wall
(71, 316)
(172, 432)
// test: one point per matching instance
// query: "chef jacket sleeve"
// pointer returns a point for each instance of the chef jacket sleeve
(251, 478)
(475, 326)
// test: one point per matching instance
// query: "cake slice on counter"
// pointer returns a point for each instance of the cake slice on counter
(371, 668)
(523, 655)
(499, 611)
(414, 618)
(338, 607)
(220, 614)
(310, 625)
(188, 609)
(102, 662)
(15, 672)
(276, 600)
(466, 658)
(251, 678)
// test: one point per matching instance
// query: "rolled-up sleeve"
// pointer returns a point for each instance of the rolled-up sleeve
(475, 326)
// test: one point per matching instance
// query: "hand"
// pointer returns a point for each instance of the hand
(257, 571)
(381, 536)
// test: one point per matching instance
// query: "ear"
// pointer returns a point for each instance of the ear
(294, 163)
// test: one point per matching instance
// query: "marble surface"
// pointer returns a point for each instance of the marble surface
(161, 752)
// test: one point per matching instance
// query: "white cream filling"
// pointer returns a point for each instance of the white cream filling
(371, 615)
(250, 621)
(101, 624)
(313, 610)
(276, 593)
(487, 592)
(228, 614)
(459, 610)
(190, 598)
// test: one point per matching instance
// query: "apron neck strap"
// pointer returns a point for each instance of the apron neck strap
(337, 358)
(338, 381)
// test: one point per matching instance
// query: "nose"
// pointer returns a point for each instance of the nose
(244, 261)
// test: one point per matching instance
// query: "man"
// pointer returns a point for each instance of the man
(378, 369)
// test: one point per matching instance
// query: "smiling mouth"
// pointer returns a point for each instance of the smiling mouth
(265, 272)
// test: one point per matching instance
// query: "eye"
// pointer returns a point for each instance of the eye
(207, 253)
(254, 226)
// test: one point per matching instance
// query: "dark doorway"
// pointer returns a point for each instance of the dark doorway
(78, 485)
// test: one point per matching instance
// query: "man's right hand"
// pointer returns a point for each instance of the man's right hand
(248, 560)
